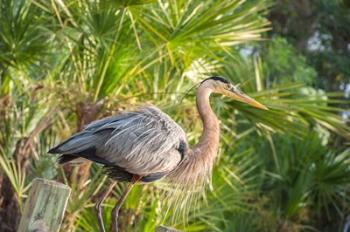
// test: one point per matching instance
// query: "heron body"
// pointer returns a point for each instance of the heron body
(146, 142)
(147, 145)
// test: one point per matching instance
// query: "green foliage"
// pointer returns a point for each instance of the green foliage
(282, 63)
(23, 38)
(319, 30)
(309, 179)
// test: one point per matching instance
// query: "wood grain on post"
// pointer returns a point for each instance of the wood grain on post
(166, 229)
(45, 206)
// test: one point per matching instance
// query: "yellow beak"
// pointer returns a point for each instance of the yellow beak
(246, 99)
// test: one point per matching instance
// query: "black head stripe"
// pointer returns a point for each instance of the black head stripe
(217, 78)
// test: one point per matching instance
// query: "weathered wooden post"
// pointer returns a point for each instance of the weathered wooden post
(45, 206)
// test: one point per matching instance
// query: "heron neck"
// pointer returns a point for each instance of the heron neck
(209, 141)
(196, 168)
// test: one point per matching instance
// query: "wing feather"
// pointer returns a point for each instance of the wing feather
(141, 142)
(150, 140)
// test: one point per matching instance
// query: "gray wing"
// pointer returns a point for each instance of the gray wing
(142, 142)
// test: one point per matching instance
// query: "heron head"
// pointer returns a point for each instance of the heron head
(224, 87)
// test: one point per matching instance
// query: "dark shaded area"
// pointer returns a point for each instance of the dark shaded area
(9, 210)
(318, 29)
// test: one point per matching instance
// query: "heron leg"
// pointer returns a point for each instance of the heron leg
(116, 209)
(99, 204)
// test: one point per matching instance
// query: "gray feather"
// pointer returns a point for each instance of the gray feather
(142, 142)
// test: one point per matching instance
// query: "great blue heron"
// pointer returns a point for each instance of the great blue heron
(147, 145)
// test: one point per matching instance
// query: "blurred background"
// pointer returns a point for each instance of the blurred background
(66, 63)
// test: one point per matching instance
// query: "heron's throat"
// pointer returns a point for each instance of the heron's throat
(209, 141)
